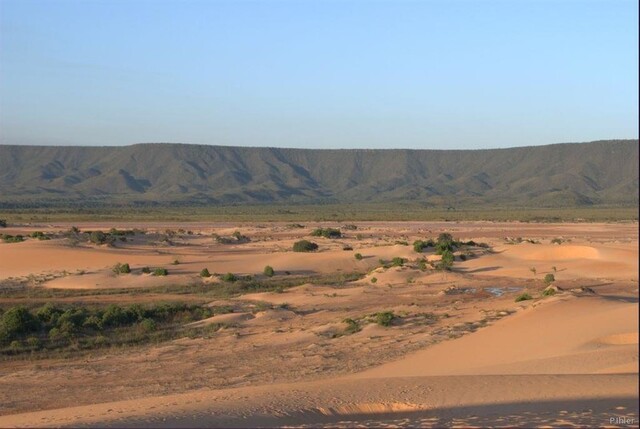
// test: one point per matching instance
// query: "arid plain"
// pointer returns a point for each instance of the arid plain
(364, 331)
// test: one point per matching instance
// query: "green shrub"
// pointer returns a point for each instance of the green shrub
(48, 313)
(7, 238)
(160, 272)
(15, 346)
(93, 322)
(115, 315)
(121, 268)
(304, 246)
(40, 235)
(352, 326)
(523, 297)
(444, 244)
(120, 233)
(419, 246)
(205, 273)
(549, 292)
(446, 262)
(358, 256)
(15, 321)
(75, 317)
(146, 270)
(237, 235)
(397, 262)
(3, 223)
(229, 277)
(54, 334)
(549, 278)
(98, 237)
(148, 325)
(374, 280)
(384, 318)
(326, 233)
(268, 271)
(33, 343)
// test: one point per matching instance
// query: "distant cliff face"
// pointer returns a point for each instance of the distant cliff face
(573, 174)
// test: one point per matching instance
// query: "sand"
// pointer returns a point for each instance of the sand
(462, 353)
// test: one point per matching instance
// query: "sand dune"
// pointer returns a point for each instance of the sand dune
(231, 318)
(456, 355)
(560, 337)
(611, 261)
(550, 352)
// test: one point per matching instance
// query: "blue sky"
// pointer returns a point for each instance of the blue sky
(320, 74)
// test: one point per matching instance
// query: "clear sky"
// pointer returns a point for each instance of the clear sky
(321, 74)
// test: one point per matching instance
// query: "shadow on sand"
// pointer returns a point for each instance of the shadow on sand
(596, 412)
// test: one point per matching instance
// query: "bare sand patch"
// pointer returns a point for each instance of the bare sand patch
(619, 339)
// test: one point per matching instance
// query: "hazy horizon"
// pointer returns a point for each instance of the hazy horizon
(249, 146)
(319, 75)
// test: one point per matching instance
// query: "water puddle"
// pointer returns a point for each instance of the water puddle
(499, 291)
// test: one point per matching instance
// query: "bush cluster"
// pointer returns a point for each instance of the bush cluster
(523, 297)
(326, 233)
(122, 232)
(40, 235)
(304, 246)
(548, 292)
(384, 318)
(446, 262)
(236, 238)
(444, 242)
(7, 238)
(121, 268)
(160, 272)
(268, 271)
(52, 326)
(398, 261)
(229, 277)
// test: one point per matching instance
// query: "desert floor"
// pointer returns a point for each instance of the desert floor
(460, 351)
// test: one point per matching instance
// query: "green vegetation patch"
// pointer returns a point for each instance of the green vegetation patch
(75, 327)
(7, 238)
(326, 233)
(384, 318)
(304, 246)
(268, 271)
(523, 297)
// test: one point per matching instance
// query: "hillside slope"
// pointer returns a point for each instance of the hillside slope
(603, 172)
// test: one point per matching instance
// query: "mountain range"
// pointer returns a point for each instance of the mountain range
(557, 175)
